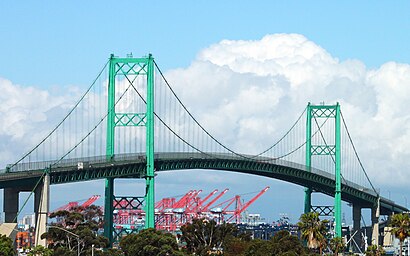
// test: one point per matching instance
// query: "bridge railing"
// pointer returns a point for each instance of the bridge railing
(89, 162)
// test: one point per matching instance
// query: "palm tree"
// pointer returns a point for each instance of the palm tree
(313, 230)
(400, 224)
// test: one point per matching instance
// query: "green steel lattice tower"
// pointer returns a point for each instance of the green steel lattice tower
(136, 67)
(325, 111)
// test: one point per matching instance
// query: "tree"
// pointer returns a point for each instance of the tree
(150, 242)
(40, 250)
(337, 245)
(83, 222)
(400, 224)
(283, 243)
(6, 246)
(203, 236)
(109, 252)
(374, 250)
(64, 251)
(236, 246)
(258, 247)
(313, 230)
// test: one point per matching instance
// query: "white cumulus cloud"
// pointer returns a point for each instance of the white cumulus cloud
(247, 92)
(26, 114)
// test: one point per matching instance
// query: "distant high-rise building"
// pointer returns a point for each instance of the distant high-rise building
(27, 222)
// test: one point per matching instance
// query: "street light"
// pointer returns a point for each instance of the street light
(71, 233)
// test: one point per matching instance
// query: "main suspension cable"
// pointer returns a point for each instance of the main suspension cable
(169, 128)
(193, 118)
(95, 127)
(357, 155)
(303, 144)
(69, 113)
(327, 146)
(283, 137)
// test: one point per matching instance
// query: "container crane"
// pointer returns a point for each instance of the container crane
(241, 208)
(70, 205)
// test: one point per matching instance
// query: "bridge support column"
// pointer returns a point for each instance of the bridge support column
(11, 204)
(150, 191)
(41, 208)
(108, 209)
(357, 216)
(145, 65)
(375, 223)
(325, 149)
(308, 200)
(308, 157)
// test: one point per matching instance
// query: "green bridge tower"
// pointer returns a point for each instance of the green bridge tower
(325, 111)
(134, 67)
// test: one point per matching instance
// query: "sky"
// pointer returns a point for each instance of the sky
(289, 51)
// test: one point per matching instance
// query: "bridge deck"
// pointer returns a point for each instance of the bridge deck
(133, 166)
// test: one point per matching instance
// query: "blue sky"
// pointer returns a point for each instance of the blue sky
(55, 44)
(45, 43)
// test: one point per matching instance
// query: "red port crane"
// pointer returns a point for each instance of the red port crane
(70, 205)
(171, 214)
(240, 208)
(206, 207)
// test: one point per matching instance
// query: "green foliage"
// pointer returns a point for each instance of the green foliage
(109, 252)
(290, 253)
(337, 245)
(63, 251)
(374, 250)
(400, 224)
(282, 243)
(150, 242)
(236, 246)
(6, 246)
(40, 250)
(313, 230)
(259, 247)
(83, 222)
(203, 236)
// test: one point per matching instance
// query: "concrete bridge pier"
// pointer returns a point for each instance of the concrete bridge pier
(41, 205)
(11, 204)
(375, 222)
(357, 217)
(41, 208)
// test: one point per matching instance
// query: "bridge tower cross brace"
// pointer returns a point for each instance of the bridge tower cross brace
(325, 111)
(136, 67)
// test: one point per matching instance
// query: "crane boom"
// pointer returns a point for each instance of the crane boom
(206, 207)
(207, 197)
(90, 200)
(182, 200)
(246, 205)
(242, 208)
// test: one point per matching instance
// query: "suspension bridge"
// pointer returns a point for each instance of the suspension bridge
(130, 123)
